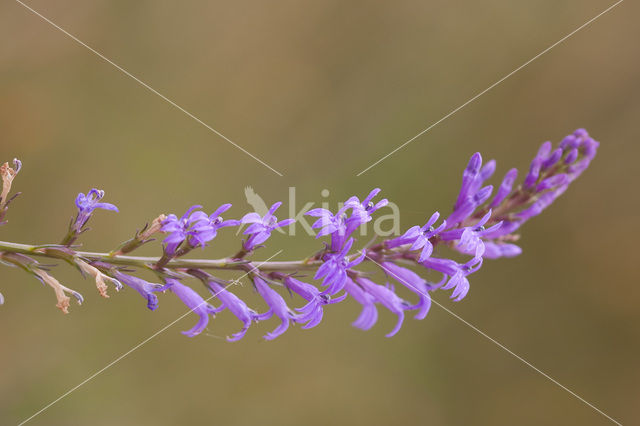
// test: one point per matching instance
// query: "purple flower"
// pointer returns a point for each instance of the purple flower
(178, 229)
(205, 228)
(261, 227)
(235, 305)
(419, 237)
(335, 266)
(194, 227)
(505, 187)
(312, 312)
(369, 314)
(361, 211)
(340, 226)
(469, 237)
(146, 289)
(413, 282)
(497, 250)
(87, 204)
(277, 307)
(387, 298)
(194, 302)
(536, 165)
(469, 205)
(330, 224)
(455, 273)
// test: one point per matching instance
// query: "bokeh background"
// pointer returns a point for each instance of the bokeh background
(320, 90)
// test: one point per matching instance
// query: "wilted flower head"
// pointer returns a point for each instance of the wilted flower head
(98, 276)
(8, 173)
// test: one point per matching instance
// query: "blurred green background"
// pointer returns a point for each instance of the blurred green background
(320, 90)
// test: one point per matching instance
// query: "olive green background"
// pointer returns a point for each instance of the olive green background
(320, 90)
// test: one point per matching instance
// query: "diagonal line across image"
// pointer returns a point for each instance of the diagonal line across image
(489, 88)
(138, 346)
(146, 86)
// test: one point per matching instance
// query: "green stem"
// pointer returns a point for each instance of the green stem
(148, 262)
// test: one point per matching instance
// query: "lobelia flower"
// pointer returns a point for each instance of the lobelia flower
(387, 298)
(418, 237)
(340, 226)
(194, 228)
(496, 250)
(469, 205)
(234, 304)
(205, 228)
(193, 301)
(505, 187)
(334, 268)
(361, 212)
(146, 289)
(261, 226)
(277, 307)
(413, 282)
(469, 237)
(312, 312)
(455, 273)
(369, 314)
(86, 205)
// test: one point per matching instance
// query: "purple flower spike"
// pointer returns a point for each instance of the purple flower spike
(369, 315)
(146, 289)
(277, 307)
(235, 305)
(418, 237)
(387, 298)
(312, 312)
(194, 301)
(334, 268)
(413, 282)
(261, 227)
(87, 204)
